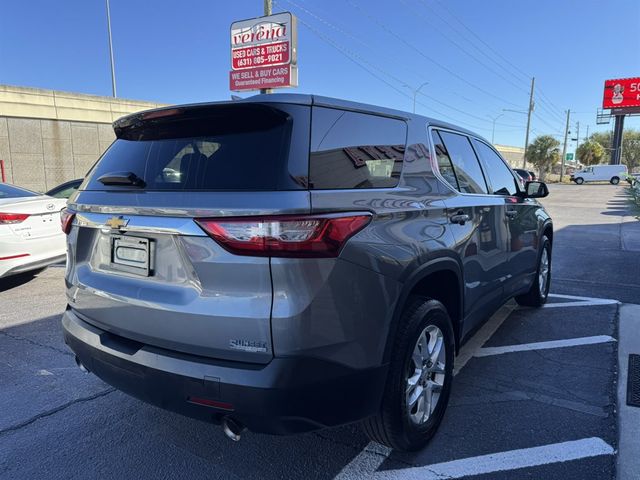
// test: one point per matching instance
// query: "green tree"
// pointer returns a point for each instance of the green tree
(604, 139)
(590, 153)
(631, 149)
(544, 153)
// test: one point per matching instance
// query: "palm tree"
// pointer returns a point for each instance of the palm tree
(543, 153)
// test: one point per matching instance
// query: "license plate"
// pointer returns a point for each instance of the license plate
(132, 254)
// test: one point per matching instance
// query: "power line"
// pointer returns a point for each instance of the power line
(356, 59)
(544, 98)
(427, 57)
(353, 55)
(459, 46)
(515, 67)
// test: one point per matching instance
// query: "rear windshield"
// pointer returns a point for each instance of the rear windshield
(229, 147)
(9, 191)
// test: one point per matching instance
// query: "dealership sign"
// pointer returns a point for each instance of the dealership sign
(263, 53)
(621, 94)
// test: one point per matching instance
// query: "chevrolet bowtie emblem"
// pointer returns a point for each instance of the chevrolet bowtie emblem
(117, 223)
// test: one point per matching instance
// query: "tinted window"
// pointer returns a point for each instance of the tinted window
(10, 191)
(355, 150)
(465, 163)
(227, 147)
(502, 180)
(65, 192)
(444, 162)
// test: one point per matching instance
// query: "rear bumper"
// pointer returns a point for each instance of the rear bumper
(22, 255)
(288, 395)
(26, 264)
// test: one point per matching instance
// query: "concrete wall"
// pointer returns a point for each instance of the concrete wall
(49, 137)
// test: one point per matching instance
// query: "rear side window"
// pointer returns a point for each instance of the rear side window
(500, 177)
(444, 162)
(9, 191)
(468, 172)
(226, 147)
(355, 150)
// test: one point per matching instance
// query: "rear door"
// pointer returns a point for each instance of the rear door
(477, 221)
(142, 268)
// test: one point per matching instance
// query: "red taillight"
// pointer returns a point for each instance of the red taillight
(66, 219)
(7, 218)
(285, 235)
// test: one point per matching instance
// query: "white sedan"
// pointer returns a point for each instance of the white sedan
(30, 234)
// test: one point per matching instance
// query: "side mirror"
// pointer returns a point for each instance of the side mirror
(536, 190)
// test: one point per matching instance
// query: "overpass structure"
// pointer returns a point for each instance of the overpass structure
(48, 137)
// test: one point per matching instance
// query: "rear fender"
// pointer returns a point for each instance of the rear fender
(447, 263)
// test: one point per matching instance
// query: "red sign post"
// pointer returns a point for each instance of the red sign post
(621, 93)
(263, 53)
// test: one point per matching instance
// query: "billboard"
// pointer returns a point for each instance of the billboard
(264, 53)
(621, 94)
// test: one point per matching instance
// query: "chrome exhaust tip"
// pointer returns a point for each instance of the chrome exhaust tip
(232, 429)
(81, 365)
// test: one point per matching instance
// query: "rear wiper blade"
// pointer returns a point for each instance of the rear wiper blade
(122, 178)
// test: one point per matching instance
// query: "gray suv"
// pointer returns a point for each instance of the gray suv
(286, 263)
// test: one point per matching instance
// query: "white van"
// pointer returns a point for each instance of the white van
(600, 173)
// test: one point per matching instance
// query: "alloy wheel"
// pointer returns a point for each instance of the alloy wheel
(425, 375)
(543, 273)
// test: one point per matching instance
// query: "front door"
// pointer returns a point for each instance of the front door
(520, 216)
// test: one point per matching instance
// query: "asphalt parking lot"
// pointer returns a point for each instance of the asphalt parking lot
(534, 396)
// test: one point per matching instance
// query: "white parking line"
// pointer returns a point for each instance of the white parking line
(505, 461)
(525, 347)
(469, 350)
(579, 301)
(366, 461)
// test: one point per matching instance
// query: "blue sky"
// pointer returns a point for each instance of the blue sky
(476, 55)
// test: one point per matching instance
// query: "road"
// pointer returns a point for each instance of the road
(534, 397)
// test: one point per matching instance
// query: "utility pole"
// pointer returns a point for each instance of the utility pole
(564, 148)
(577, 138)
(586, 137)
(526, 138)
(113, 70)
(268, 9)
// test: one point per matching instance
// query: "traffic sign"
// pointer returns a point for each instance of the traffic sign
(569, 157)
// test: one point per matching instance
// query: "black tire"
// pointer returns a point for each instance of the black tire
(615, 180)
(393, 426)
(579, 180)
(536, 296)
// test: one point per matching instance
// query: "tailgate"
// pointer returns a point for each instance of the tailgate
(193, 296)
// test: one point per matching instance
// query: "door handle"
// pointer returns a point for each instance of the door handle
(511, 213)
(460, 218)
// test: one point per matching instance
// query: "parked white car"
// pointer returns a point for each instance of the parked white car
(600, 173)
(30, 234)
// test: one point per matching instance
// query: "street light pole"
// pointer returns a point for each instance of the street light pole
(493, 128)
(415, 92)
(113, 69)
